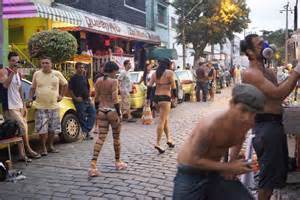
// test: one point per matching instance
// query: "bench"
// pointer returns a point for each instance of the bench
(9, 141)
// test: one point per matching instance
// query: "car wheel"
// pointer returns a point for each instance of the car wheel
(70, 128)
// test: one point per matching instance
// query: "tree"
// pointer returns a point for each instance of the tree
(212, 22)
(60, 46)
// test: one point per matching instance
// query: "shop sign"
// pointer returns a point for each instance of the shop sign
(102, 25)
(107, 25)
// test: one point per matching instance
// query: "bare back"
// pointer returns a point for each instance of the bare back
(165, 83)
(107, 92)
(254, 76)
(210, 140)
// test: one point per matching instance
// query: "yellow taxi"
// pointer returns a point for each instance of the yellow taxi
(69, 120)
(188, 82)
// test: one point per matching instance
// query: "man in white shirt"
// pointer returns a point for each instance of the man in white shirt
(125, 89)
(13, 105)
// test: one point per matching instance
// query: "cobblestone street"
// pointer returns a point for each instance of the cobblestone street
(149, 175)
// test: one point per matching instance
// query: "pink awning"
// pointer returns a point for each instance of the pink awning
(18, 9)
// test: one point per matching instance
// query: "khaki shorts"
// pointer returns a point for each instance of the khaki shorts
(16, 114)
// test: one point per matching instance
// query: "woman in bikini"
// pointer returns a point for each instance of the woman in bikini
(164, 92)
(107, 89)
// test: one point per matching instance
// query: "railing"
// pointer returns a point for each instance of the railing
(20, 52)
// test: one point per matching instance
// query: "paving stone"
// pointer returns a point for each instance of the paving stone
(112, 196)
(109, 191)
(95, 194)
(149, 175)
(82, 197)
(137, 191)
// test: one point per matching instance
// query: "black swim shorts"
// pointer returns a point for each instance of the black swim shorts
(270, 144)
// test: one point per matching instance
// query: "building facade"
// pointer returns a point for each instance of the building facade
(157, 19)
(130, 11)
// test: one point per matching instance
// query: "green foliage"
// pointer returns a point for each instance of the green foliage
(211, 22)
(60, 46)
(278, 39)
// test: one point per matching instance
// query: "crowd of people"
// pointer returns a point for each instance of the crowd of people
(203, 172)
(210, 79)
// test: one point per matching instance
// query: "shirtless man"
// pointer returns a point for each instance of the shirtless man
(165, 91)
(270, 141)
(108, 114)
(200, 172)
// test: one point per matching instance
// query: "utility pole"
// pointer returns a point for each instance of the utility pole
(286, 10)
(296, 16)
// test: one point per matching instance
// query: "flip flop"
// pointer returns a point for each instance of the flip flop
(160, 150)
(34, 155)
(121, 165)
(25, 159)
(53, 150)
(171, 145)
(44, 153)
(94, 173)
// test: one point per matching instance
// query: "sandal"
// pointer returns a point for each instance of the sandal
(170, 144)
(45, 153)
(121, 165)
(34, 155)
(160, 150)
(25, 159)
(94, 172)
(53, 150)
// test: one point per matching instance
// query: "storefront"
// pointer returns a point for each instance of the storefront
(100, 37)
(107, 39)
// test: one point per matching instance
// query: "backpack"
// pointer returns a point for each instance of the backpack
(9, 129)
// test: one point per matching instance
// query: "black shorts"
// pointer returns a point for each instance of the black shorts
(193, 184)
(159, 98)
(270, 144)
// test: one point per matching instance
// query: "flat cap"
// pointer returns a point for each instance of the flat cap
(250, 96)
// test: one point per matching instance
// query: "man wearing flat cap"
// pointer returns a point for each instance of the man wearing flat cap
(200, 172)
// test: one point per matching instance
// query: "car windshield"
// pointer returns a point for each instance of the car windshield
(184, 75)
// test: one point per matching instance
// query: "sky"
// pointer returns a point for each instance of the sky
(265, 14)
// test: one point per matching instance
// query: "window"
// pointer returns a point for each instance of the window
(173, 22)
(16, 35)
(162, 14)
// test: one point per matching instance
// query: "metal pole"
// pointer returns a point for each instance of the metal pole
(183, 44)
(286, 33)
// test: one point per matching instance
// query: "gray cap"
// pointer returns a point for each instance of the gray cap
(250, 96)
